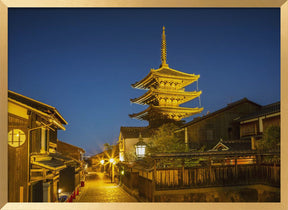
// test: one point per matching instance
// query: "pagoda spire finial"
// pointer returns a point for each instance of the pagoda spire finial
(163, 49)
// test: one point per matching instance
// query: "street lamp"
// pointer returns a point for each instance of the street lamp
(140, 147)
(112, 162)
(58, 193)
(102, 169)
(121, 158)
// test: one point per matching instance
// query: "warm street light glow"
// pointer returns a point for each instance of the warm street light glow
(111, 160)
(140, 150)
(140, 147)
(59, 190)
(102, 162)
(122, 172)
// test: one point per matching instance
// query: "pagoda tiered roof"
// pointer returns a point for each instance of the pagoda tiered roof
(166, 91)
(165, 112)
(153, 78)
(153, 96)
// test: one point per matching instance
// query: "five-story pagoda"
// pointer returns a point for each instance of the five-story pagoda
(166, 91)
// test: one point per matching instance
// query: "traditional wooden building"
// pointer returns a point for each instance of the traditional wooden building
(243, 149)
(253, 125)
(70, 150)
(221, 124)
(74, 173)
(128, 138)
(166, 92)
(32, 127)
(232, 145)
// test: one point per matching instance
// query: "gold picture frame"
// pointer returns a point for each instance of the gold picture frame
(6, 4)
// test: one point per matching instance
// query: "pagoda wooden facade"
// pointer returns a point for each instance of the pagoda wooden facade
(166, 91)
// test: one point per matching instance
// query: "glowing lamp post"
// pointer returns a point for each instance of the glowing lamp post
(102, 169)
(112, 163)
(140, 147)
(111, 160)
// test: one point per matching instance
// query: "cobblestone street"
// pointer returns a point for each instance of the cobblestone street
(99, 188)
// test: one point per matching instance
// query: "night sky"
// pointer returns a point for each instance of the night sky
(83, 61)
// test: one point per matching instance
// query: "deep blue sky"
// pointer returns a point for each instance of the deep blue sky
(83, 61)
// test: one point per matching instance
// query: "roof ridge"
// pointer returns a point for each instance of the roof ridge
(270, 105)
(197, 119)
(175, 70)
(264, 110)
(237, 141)
(133, 127)
(38, 104)
(70, 144)
(26, 97)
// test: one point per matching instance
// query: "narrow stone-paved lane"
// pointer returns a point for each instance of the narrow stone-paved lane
(100, 189)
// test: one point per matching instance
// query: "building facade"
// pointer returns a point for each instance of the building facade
(39, 165)
(32, 127)
(253, 126)
(74, 173)
(221, 124)
(128, 138)
(70, 150)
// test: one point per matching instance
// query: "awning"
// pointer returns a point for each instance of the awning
(50, 163)
(67, 160)
(61, 157)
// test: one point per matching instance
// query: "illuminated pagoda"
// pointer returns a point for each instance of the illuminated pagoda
(166, 91)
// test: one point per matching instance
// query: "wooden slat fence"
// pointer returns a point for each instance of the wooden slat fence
(145, 188)
(227, 175)
(131, 180)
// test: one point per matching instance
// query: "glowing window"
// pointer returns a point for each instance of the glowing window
(16, 137)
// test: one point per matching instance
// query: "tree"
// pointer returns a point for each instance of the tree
(165, 140)
(107, 146)
(271, 139)
(130, 156)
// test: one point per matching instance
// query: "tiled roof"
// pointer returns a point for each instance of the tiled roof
(133, 132)
(52, 164)
(36, 105)
(265, 110)
(70, 145)
(59, 156)
(233, 145)
(173, 72)
(238, 145)
(229, 106)
(146, 82)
